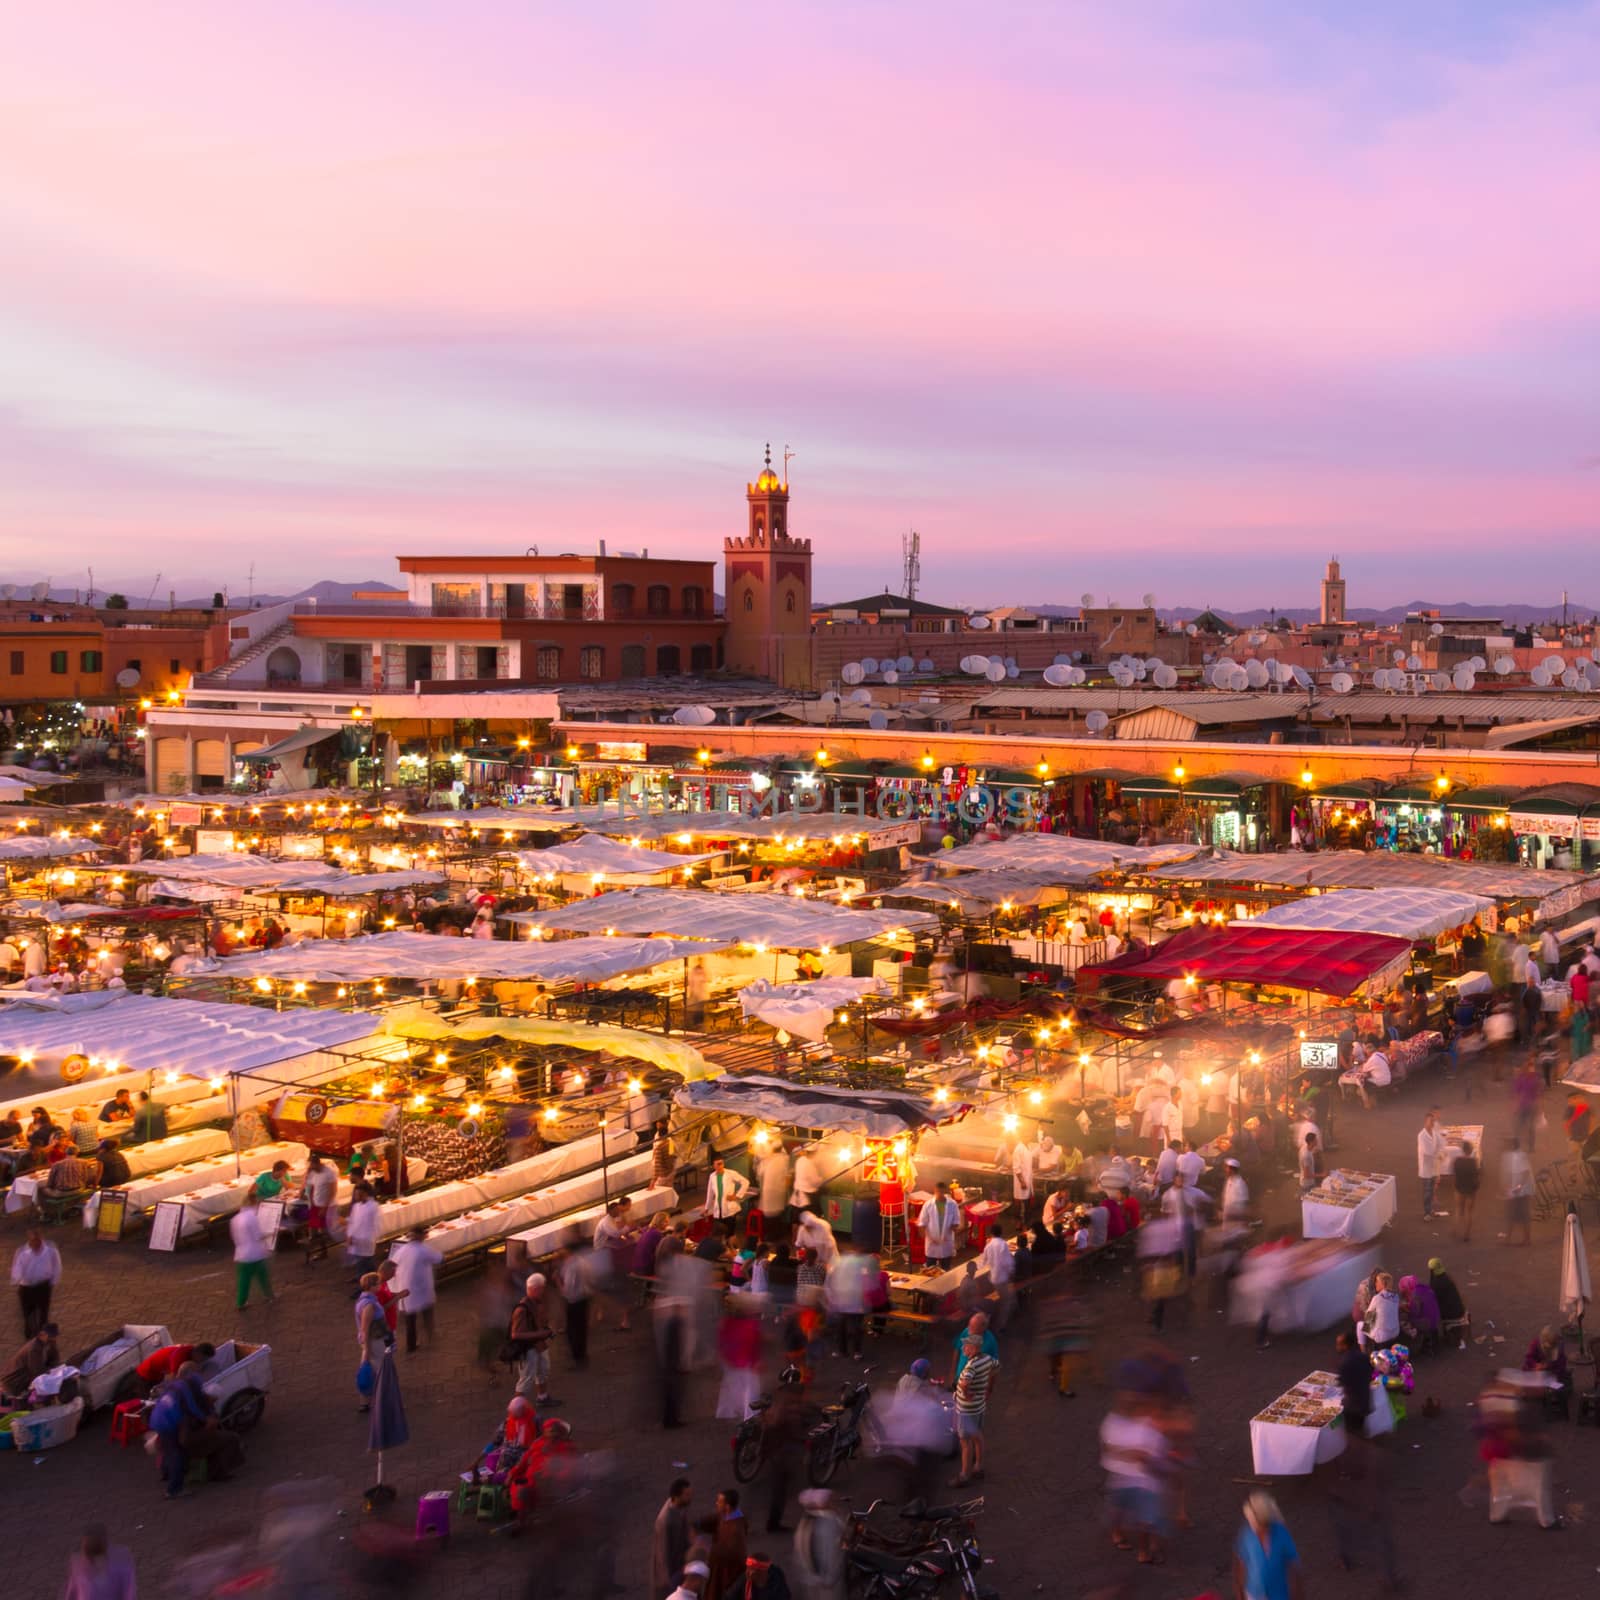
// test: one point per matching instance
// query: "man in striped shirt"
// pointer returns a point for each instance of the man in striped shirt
(972, 1400)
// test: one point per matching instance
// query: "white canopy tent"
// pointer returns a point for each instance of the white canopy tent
(125, 1036)
(778, 827)
(593, 855)
(10, 772)
(274, 874)
(1068, 859)
(1405, 913)
(805, 1009)
(775, 920)
(489, 818)
(982, 892)
(231, 799)
(37, 847)
(426, 956)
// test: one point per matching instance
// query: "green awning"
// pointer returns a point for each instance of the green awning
(1149, 786)
(1014, 778)
(1556, 800)
(301, 740)
(1419, 791)
(907, 769)
(1494, 797)
(1354, 789)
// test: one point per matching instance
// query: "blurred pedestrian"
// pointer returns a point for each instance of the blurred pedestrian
(1266, 1564)
(415, 1261)
(572, 1280)
(100, 1571)
(249, 1250)
(1517, 1173)
(35, 1272)
(819, 1557)
(669, 1543)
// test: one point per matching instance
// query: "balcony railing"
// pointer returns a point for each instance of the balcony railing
(492, 608)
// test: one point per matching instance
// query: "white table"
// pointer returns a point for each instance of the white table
(183, 1180)
(1292, 1449)
(19, 1197)
(1375, 1196)
(578, 1227)
(1471, 983)
(159, 1154)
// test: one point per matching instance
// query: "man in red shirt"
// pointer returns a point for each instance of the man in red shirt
(387, 1298)
(163, 1364)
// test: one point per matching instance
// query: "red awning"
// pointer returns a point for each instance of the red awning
(1328, 961)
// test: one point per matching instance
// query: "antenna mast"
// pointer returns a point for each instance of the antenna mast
(911, 570)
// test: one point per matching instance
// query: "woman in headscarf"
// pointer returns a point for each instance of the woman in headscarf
(1546, 1353)
(522, 1423)
(1419, 1311)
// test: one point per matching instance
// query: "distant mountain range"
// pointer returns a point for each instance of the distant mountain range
(1256, 616)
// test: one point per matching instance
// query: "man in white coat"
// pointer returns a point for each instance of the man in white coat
(1022, 1177)
(774, 1178)
(940, 1222)
(414, 1263)
(807, 1180)
(1431, 1144)
(725, 1192)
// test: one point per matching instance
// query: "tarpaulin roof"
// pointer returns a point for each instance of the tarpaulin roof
(36, 847)
(592, 853)
(1375, 869)
(489, 818)
(804, 1008)
(231, 800)
(11, 773)
(876, 1114)
(673, 1054)
(301, 739)
(1072, 860)
(1401, 913)
(425, 956)
(1328, 962)
(783, 921)
(147, 1033)
(813, 826)
(275, 874)
(981, 892)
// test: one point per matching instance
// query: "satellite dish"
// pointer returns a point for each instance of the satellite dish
(977, 665)
(1436, 629)
(1440, 680)
(1166, 676)
(996, 672)
(1300, 676)
(1556, 665)
(925, 665)
(1191, 630)
(904, 663)
(1504, 665)
(40, 591)
(1477, 663)
(1462, 676)
(861, 697)
(1240, 679)
(1255, 674)
(1342, 683)
(1541, 675)
(829, 697)
(890, 675)
(1140, 671)
(851, 672)
(128, 677)
(869, 664)
(1061, 659)
(1413, 663)
(1057, 675)
(1079, 675)
(878, 720)
(1399, 658)
(1013, 671)
(977, 622)
(1096, 721)
(1150, 600)
(1086, 599)
(1571, 678)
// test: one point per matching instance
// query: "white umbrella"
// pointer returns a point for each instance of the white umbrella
(1575, 1291)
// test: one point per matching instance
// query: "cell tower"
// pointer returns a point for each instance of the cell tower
(911, 557)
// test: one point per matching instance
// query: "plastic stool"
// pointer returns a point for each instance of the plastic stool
(494, 1504)
(466, 1495)
(128, 1424)
(433, 1515)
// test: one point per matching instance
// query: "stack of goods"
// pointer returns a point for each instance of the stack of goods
(1342, 1187)
(454, 1151)
(1406, 1056)
(1314, 1402)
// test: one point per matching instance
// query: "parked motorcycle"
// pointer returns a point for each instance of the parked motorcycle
(940, 1546)
(841, 1433)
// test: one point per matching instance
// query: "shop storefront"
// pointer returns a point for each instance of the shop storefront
(1476, 824)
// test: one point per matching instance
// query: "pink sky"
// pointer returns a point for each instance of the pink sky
(1094, 303)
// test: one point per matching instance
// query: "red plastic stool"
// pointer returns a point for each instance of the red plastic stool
(127, 1423)
(433, 1515)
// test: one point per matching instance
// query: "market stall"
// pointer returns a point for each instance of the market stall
(1349, 1205)
(1401, 913)
(1304, 1427)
